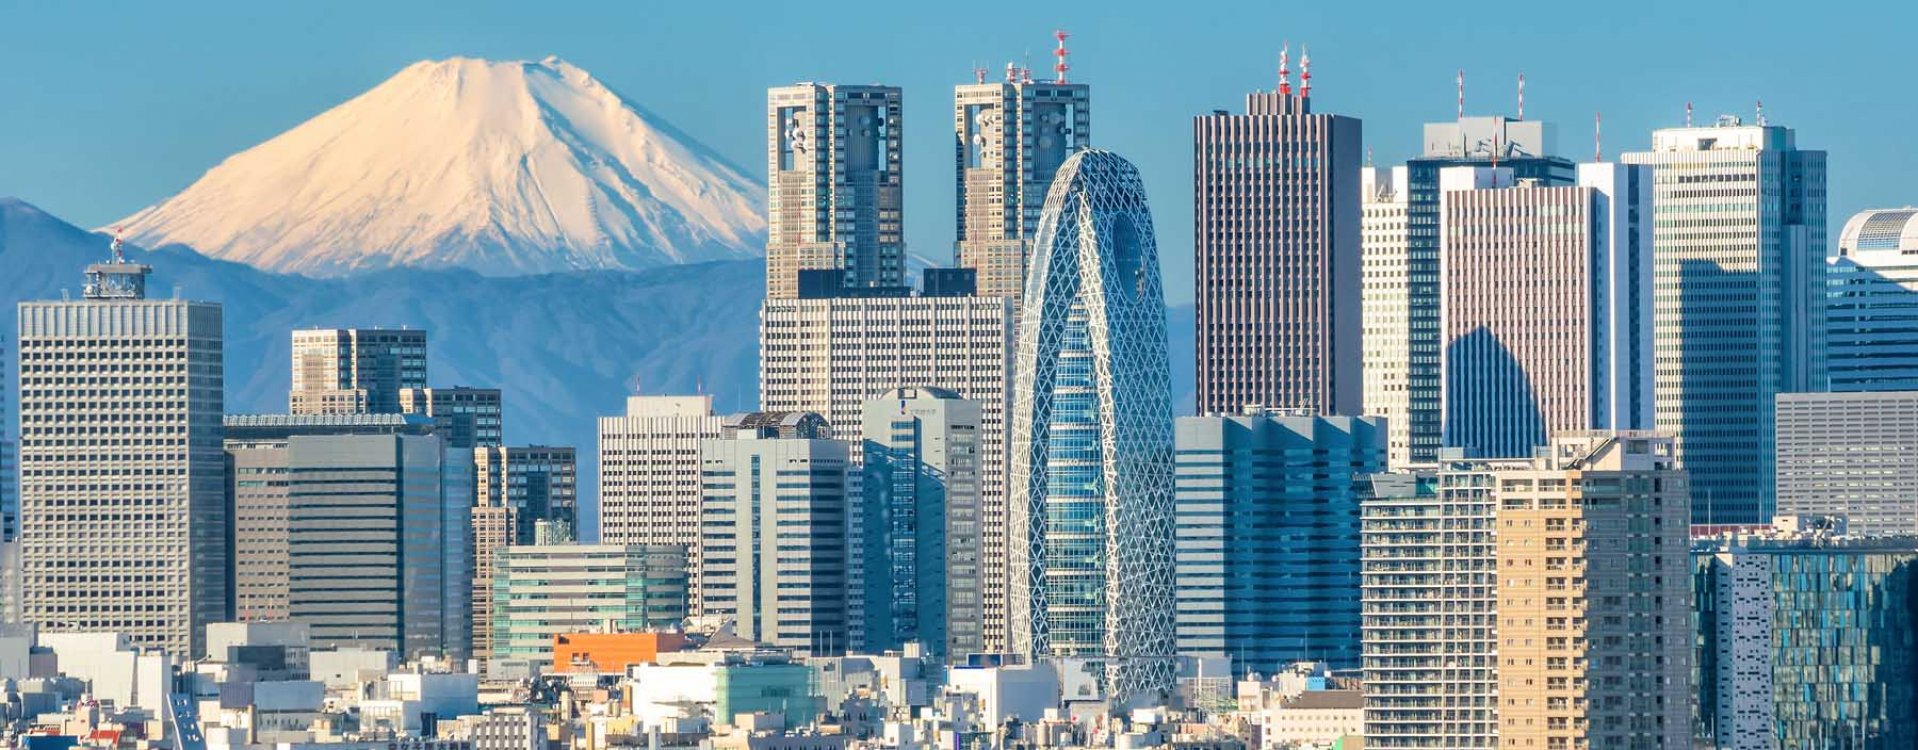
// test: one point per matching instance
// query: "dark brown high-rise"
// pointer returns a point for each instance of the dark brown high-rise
(1276, 241)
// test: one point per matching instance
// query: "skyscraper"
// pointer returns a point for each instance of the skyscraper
(1091, 483)
(358, 525)
(920, 522)
(1594, 610)
(831, 356)
(1871, 301)
(1740, 304)
(834, 192)
(649, 485)
(1009, 138)
(123, 518)
(468, 417)
(355, 370)
(1522, 145)
(539, 482)
(1276, 238)
(1268, 535)
(1546, 307)
(1385, 302)
(776, 489)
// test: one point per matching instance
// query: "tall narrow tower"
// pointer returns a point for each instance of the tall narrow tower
(1009, 138)
(1276, 238)
(1091, 485)
(834, 186)
(123, 500)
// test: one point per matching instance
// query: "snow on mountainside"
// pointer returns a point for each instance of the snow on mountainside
(504, 168)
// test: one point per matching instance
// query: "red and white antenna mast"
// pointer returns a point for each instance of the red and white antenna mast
(1461, 94)
(1285, 69)
(1305, 72)
(1012, 72)
(1521, 97)
(978, 74)
(1059, 68)
(119, 244)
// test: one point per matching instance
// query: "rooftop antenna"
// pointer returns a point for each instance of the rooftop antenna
(1688, 114)
(1059, 68)
(1598, 150)
(1025, 71)
(1521, 97)
(1461, 94)
(1305, 72)
(1495, 156)
(1285, 69)
(119, 244)
(978, 73)
(1012, 72)
(1368, 156)
(1761, 113)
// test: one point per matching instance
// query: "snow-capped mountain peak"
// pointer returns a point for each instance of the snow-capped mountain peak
(503, 168)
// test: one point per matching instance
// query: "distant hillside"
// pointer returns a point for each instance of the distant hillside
(565, 348)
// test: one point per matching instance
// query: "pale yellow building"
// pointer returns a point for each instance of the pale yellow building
(1594, 595)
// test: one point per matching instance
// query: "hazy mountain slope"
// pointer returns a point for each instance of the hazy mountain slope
(503, 168)
(565, 348)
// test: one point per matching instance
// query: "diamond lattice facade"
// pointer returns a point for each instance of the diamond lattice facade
(1091, 482)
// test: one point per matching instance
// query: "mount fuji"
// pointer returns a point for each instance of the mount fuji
(501, 168)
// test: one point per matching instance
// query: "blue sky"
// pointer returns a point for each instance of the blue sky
(105, 108)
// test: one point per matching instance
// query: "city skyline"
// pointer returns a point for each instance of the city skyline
(1208, 62)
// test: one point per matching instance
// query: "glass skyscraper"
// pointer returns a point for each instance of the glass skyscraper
(1268, 535)
(1091, 483)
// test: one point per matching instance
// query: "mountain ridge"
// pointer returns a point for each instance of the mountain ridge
(564, 348)
(503, 168)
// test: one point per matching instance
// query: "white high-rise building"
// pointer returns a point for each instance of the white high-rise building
(918, 527)
(649, 470)
(123, 513)
(1012, 135)
(773, 547)
(1872, 303)
(834, 186)
(831, 356)
(1545, 306)
(1386, 299)
(1739, 316)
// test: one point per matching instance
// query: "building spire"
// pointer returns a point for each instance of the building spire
(1059, 68)
(1521, 97)
(1305, 72)
(1761, 113)
(1285, 69)
(1598, 147)
(1461, 94)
